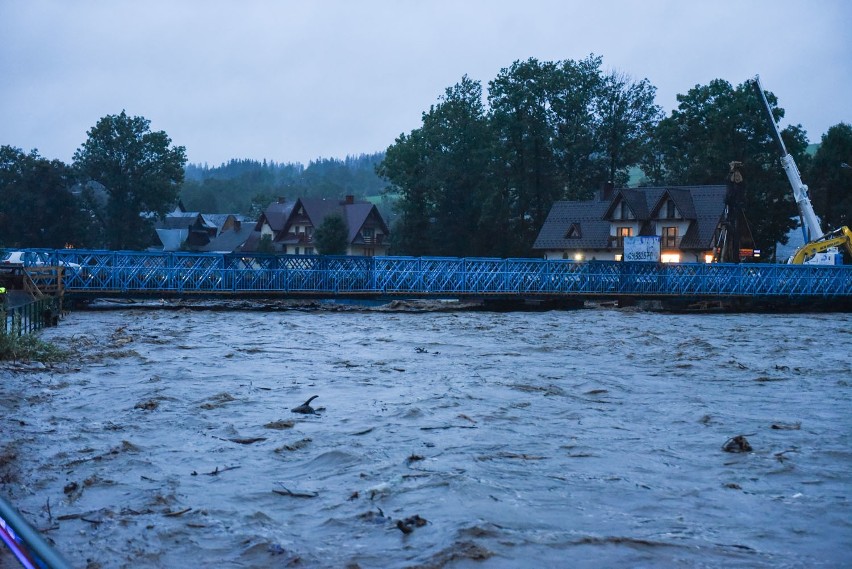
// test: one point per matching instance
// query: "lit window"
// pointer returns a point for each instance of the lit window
(578, 256)
(670, 257)
(670, 237)
(621, 233)
(708, 257)
(619, 256)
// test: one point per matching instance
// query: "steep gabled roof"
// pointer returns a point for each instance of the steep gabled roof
(276, 215)
(586, 215)
(703, 205)
(682, 198)
(709, 203)
(355, 214)
(231, 240)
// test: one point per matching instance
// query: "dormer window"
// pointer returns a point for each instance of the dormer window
(622, 211)
(671, 210)
(573, 232)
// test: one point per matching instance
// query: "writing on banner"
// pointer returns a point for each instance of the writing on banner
(645, 248)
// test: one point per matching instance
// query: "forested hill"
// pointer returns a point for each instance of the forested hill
(248, 186)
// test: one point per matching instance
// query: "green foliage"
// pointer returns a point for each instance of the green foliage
(38, 208)
(332, 236)
(716, 124)
(265, 245)
(441, 173)
(15, 347)
(829, 178)
(140, 172)
(477, 181)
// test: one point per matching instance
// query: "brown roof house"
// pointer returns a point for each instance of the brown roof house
(289, 226)
(688, 222)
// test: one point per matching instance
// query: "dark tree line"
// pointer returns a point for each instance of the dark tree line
(248, 186)
(479, 179)
(123, 177)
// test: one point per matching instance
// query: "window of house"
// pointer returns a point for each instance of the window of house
(621, 233)
(296, 250)
(367, 232)
(369, 252)
(670, 237)
(309, 250)
(573, 232)
(671, 212)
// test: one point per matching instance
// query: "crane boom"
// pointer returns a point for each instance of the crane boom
(810, 221)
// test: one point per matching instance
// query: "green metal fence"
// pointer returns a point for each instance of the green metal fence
(30, 317)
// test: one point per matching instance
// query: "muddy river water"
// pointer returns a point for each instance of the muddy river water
(588, 438)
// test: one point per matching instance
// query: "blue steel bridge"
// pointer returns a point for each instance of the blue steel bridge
(91, 273)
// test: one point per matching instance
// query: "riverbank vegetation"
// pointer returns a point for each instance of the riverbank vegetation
(18, 347)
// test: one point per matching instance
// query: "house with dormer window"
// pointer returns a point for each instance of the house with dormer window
(289, 226)
(687, 220)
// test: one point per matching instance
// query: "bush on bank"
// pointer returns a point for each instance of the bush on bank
(15, 347)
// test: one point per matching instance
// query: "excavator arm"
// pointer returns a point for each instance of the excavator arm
(838, 238)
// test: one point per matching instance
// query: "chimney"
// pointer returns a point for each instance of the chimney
(606, 191)
(350, 200)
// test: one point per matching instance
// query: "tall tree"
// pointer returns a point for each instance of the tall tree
(37, 207)
(716, 124)
(830, 178)
(140, 171)
(521, 99)
(627, 118)
(441, 171)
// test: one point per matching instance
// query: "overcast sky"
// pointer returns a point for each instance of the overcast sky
(294, 81)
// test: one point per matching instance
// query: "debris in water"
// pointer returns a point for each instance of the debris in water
(305, 408)
(149, 405)
(407, 525)
(295, 446)
(218, 401)
(177, 513)
(248, 441)
(287, 492)
(279, 425)
(737, 444)
(70, 487)
(415, 458)
(787, 426)
(217, 471)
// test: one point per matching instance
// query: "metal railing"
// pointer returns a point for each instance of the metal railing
(178, 273)
(25, 543)
(30, 317)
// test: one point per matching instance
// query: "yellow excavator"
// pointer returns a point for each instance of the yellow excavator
(820, 247)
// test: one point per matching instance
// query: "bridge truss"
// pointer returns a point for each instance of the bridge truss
(117, 273)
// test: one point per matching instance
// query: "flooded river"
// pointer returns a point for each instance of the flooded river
(588, 438)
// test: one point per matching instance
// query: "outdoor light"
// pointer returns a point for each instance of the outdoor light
(670, 258)
(578, 257)
(708, 257)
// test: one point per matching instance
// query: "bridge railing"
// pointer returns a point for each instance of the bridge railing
(216, 273)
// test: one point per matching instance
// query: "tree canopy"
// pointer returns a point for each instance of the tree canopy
(38, 207)
(477, 180)
(716, 124)
(332, 236)
(830, 178)
(140, 172)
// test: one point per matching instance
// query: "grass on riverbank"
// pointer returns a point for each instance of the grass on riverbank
(28, 347)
